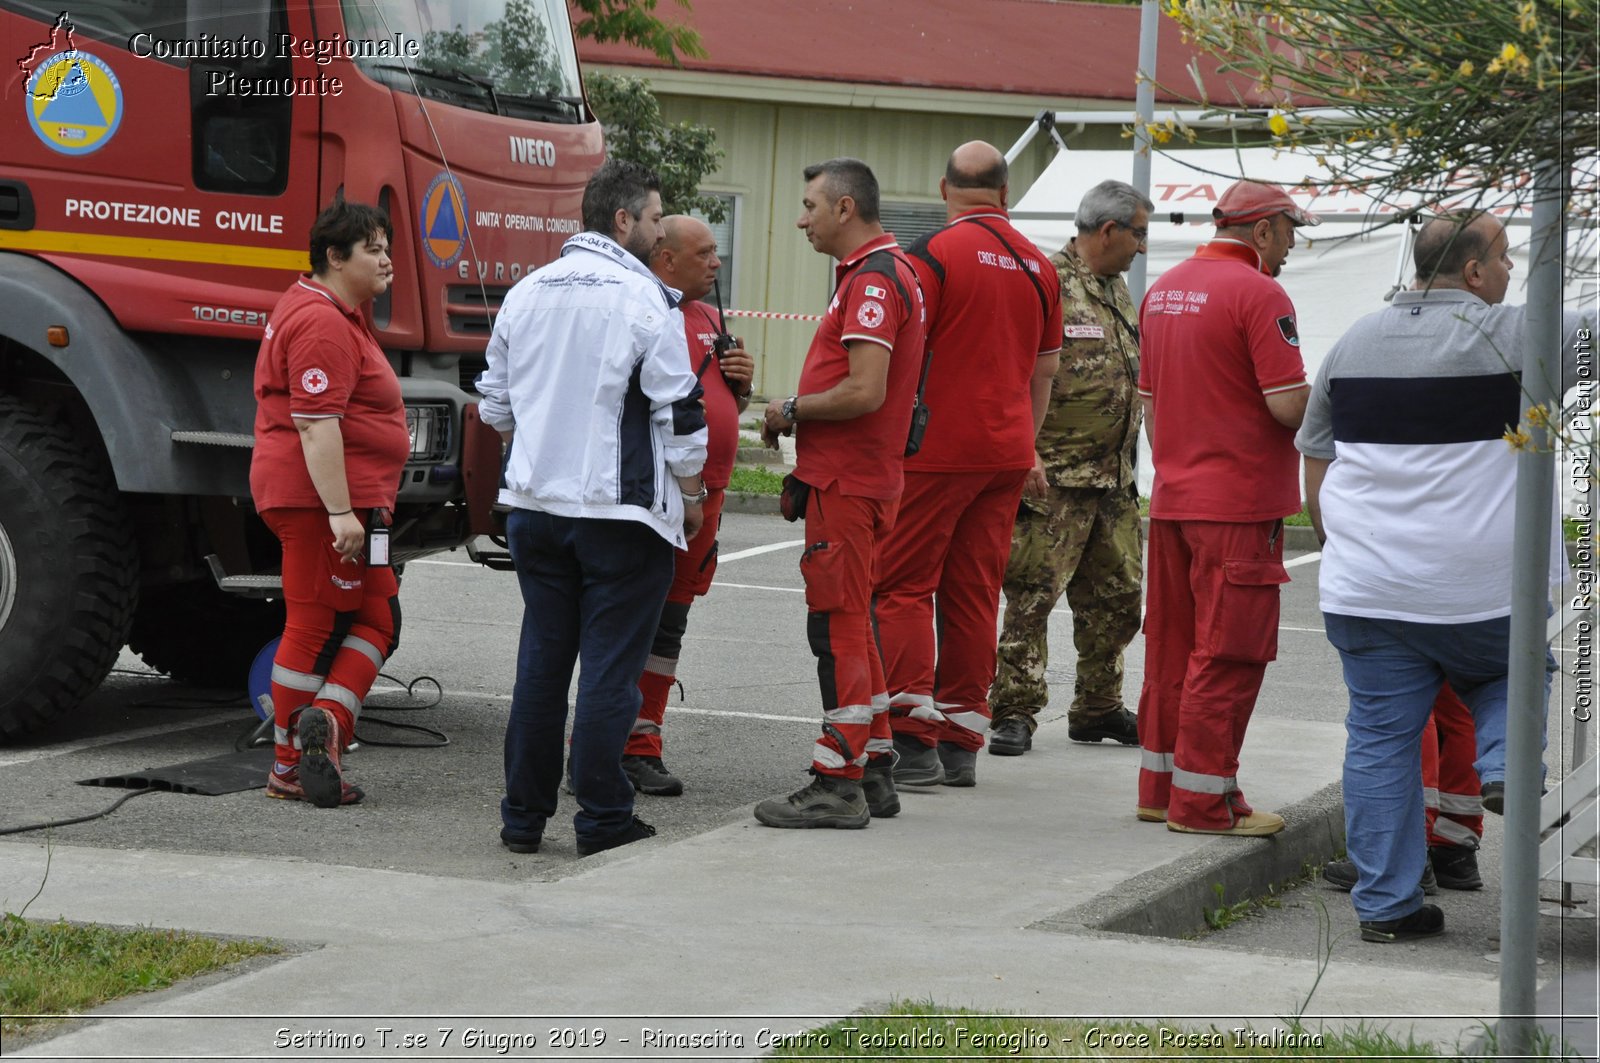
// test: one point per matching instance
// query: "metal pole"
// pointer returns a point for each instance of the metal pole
(1530, 592)
(1144, 103)
(1042, 120)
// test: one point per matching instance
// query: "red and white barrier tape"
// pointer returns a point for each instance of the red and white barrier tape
(770, 316)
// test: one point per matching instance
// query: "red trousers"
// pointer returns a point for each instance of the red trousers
(1451, 796)
(842, 536)
(343, 622)
(691, 579)
(1211, 626)
(950, 543)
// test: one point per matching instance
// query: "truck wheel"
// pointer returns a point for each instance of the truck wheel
(198, 633)
(69, 569)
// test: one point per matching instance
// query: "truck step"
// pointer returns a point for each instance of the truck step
(490, 554)
(253, 586)
(215, 439)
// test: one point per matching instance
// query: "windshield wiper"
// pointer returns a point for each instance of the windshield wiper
(559, 106)
(459, 77)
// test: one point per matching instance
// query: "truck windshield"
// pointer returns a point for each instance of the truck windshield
(503, 56)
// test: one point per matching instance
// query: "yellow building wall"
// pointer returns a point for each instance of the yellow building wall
(766, 146)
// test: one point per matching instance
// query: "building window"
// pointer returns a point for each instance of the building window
(726, 231)
(910, 222)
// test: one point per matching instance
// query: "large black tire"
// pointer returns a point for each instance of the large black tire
(69, 569)
(198, 633)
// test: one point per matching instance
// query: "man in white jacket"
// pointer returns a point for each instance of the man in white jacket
(589, 383)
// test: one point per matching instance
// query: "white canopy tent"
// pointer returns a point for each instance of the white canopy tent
(1337, 272)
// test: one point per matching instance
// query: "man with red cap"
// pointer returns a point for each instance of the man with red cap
(1224, 389)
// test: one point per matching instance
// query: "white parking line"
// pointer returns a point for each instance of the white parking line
(759, 587)
(740, 555)
(1303, 559)
(681, 708)
(737, 555)
(742, 715)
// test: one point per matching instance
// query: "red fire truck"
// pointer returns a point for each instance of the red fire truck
(161, 162)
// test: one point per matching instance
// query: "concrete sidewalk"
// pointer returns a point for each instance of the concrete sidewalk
(986, 898)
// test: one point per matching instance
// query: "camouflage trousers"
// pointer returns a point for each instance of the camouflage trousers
(1085, 542)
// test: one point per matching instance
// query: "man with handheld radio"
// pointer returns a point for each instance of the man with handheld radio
(853, 411)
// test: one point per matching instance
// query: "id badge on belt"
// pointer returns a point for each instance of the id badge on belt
(378, 538)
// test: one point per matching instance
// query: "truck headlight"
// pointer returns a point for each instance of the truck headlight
(429, 426)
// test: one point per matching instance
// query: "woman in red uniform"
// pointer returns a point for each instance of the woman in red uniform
(331, 442)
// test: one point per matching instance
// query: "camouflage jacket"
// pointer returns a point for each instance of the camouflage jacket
(1091, 432)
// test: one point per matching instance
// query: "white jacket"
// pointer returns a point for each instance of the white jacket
(589, 365)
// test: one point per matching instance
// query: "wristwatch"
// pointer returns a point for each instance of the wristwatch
(697, 498)
(791, 408)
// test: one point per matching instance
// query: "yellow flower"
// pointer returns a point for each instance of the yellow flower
(1538, 416)
(1508, 53)
(1527, 18)
(1278, 124)
(1518, 439)
(1466, 68)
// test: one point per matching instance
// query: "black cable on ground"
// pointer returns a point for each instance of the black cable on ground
(410, 689)
(257, 733)
(124, 799)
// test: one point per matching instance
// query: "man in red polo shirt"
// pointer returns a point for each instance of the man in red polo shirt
(854, 412)
(686, 259)
(1224, 389)
(994, 337)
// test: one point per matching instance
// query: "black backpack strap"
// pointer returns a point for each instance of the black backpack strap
(882, 262)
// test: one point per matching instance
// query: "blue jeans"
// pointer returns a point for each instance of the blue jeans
(1394, 669)
(592, 592)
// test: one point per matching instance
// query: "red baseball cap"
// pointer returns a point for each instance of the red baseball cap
(1249, 201)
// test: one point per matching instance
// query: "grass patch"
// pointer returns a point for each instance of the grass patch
(755, 480)
(1225, 914)
(59, 968)
(920, 1030)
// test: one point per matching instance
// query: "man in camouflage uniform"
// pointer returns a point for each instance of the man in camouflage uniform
(1078, 527)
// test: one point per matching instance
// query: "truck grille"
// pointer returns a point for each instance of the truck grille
(470, 368)
(467, 313)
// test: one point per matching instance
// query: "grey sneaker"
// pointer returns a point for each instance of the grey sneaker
(650, 776)
(960, 765)
(919, 764)
(877, 783)
(1455, 866)
(828, 802)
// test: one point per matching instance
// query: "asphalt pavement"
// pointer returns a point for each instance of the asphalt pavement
(1015, 895)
